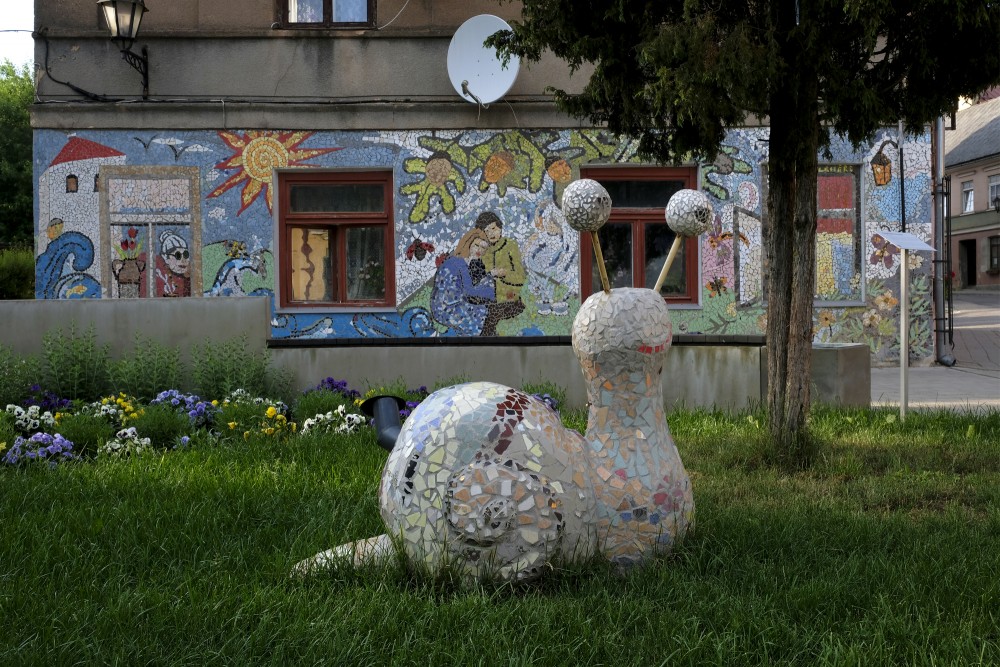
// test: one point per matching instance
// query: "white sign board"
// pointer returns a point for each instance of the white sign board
(905, 241)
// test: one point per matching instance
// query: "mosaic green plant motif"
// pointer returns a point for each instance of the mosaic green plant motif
(593, 146)
(509, 160)
(439, 171)
(726, 163)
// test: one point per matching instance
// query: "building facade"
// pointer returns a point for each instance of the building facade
(324, 159)
(972, 162)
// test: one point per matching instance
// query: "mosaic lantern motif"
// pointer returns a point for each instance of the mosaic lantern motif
(586, 205)
(881, 166)
(689, 213)
(484, 479)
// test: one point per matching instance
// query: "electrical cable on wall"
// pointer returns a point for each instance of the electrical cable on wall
(394, 17)
(86, 93)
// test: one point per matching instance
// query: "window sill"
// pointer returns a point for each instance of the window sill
(317, 310)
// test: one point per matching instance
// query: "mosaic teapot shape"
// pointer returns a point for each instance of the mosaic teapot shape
(484, 478)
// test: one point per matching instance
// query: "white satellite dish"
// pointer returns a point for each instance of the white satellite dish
(475, 71)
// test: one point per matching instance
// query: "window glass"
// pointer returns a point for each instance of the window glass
(311, 260)
(658, 239)
(350, 11)
(337, 198)
(994, 189)
(968, 197)
(616, 246)
(330, 13)
(641, 194)
(366, 263)
(305, 11)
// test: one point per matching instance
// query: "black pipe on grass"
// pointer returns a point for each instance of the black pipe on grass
(385, 411)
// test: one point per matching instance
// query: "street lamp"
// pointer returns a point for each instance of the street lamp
(123, 18)
(996, 203)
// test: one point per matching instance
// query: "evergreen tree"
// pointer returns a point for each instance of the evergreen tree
(677, 73)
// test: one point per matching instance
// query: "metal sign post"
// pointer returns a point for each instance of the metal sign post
(904, 241)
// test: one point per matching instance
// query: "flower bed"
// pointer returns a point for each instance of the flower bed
(52, 430)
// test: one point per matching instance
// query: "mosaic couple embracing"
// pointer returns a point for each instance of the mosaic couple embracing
(479, 283)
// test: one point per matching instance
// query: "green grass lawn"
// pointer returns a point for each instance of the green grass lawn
(885, 551)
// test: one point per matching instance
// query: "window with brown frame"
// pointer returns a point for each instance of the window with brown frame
(351, 14)
(335, 239)
(636, 239)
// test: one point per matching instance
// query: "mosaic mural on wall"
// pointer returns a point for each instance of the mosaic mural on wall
(195, 210)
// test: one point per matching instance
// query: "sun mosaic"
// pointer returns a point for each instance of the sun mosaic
(258, 153)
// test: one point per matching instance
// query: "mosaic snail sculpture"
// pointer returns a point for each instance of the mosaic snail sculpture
(484, 479)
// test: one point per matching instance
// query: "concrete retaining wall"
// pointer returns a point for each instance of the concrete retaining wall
(178, 323)
(727, 375)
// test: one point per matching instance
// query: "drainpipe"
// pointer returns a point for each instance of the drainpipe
(385, 411)
(943, 357)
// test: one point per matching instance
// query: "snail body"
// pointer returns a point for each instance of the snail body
(485, 479)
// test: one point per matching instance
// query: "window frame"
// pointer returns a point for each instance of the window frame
(286, 220)
(994, 246)
(993, 188)
(639, 218)
(857, 170)
(968, 197)
(282, 12)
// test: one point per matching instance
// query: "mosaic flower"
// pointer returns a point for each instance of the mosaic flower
(886, 301)
(914, 261)
(439, 172)
(871, 318)
(826, 318)
(258, 153)
(508, 160)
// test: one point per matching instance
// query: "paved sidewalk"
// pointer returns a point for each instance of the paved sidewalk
(973, 383)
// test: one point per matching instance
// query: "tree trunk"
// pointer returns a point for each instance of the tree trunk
(790, 244)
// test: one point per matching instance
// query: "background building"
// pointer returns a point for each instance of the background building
(972, 162)
(326, 160)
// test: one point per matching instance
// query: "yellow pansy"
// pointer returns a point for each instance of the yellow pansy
(271, 412)
(232, 425)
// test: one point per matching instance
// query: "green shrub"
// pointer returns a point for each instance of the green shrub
(86, 432)
(163, 424)
(151, 368)
(17, 375)
(320, 401)
(219, 368)
(546, 388)
(7, 431)
(17, 273)
(74, 366)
